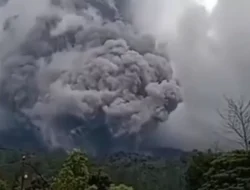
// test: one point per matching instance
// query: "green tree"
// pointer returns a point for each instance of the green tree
(92, 187)
(37, 184)
(3, 185)
(74, 173)
(120, 187)
(228, 171)
(198, 165)
(100, 180)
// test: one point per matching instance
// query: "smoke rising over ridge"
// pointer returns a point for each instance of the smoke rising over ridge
(50, 69)
(82, 61)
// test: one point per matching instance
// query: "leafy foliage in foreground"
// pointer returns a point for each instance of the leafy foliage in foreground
(228, 172)
(74, 173)
(136, 170)
(198, 165)
(224, 171)
(3, 185)
(120, 187)
(205, 171)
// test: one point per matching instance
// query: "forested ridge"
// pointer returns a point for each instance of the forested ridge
(124, 171)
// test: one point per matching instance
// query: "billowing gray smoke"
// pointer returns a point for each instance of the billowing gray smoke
(76, 63)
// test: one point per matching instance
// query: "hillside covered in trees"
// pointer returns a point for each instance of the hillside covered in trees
(139, 171)
(125, 171)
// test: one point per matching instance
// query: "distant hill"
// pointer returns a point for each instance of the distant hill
(28, 140)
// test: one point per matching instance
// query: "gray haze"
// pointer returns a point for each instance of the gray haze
(211, 56)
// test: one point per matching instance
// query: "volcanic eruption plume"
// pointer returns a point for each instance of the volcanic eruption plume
(64, 59)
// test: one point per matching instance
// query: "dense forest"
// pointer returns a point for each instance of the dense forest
(124, 171)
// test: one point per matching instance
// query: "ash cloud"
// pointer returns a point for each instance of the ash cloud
(80, 60)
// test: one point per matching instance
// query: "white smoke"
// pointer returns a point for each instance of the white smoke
(65, 57)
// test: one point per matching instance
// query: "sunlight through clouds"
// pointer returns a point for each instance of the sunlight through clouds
(208, 4)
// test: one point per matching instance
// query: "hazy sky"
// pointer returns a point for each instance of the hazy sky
(211, 58)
